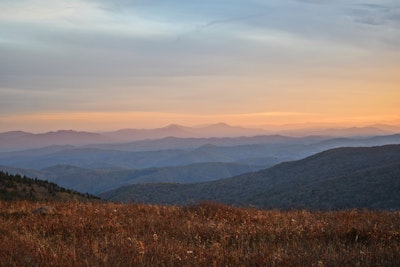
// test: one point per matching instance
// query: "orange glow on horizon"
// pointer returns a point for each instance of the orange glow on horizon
(106, 121)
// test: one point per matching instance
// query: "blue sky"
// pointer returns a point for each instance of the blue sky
(290, 61)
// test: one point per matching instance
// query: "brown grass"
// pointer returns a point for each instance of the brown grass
(95, 234)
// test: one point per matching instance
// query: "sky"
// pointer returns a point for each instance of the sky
(102, 64)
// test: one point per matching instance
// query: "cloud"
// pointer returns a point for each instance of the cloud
(232, 20)
(127, 51)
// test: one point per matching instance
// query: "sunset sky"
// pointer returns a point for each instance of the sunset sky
(102, 64)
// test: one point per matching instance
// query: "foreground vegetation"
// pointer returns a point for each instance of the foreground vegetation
(98, 234)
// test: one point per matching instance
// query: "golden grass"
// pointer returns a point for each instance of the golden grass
(95, 234)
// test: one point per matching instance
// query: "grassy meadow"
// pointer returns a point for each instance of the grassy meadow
(208, 234)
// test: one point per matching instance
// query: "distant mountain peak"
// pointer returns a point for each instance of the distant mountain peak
(219, 125)
(174, 126)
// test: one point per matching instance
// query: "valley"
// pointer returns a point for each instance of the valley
(263, 171)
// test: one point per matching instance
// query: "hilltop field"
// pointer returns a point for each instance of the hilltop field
(207, 234)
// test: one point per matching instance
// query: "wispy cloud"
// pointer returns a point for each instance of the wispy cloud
(231, 20)
(153, 55)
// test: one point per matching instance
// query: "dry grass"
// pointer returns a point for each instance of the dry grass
(95, 234)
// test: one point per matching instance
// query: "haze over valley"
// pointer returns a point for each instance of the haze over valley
(194, 164)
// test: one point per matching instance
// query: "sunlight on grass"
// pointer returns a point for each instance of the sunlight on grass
(208, 234)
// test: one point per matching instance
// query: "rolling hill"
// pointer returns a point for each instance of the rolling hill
(341, 178)
(98, 180)
(102, 158)
(16, 187)
(260, 150)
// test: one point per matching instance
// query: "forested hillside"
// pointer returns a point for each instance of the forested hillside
(342, 178)
(16, 187)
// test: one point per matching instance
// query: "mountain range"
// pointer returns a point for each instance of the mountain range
(19, 140)
(357, 177)
(234, 165)
(260, 150)
(212, 130)
(102, 167)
